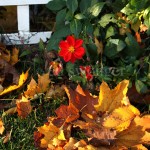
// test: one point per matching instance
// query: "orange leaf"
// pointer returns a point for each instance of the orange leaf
(138, 37)
(23, 107)
(22, 79)
(1, 127)
(69, 113)
(109, 99)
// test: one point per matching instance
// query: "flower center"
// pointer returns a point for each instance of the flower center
(71, 49)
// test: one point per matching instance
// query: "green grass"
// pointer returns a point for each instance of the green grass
(22, 130)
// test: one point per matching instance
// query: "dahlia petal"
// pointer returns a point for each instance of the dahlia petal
(73, 59)
(79, 52)
(78, 43)
(71, 40)
(63, 45)
(63, 52)
(67, 57)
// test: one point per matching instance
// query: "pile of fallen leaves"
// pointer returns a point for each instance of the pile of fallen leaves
(109, 122)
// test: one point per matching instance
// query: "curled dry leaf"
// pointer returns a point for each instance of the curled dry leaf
(23, 107)
(1, 126)
(22, 79)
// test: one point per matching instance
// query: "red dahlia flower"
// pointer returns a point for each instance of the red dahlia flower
(71, 49)
(86, 70)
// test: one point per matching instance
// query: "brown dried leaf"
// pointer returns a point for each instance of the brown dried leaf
(99, 46)
(83, 102)
(14, 56)
(23, 107)
(68, 113)
(31, 89)
(43, 83)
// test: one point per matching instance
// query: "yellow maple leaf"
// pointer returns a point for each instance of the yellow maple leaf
(135, 134)
(121, 118)
(1, 126)
(109, 99)
(22, 79)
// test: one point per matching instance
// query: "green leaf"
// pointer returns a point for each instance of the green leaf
(53, 42)
(92, 52)
(70, 68)
(62, 32)
(96, 9)
(60, 18)
(72, 5)
(113, 47)
(147, 23)
(133, 48)
(89, 28)
(79, 16)
(78, 79)
(111, 31)
(56, 4)
(25, 53)
(84, 5)
(75, 27)
(140, 86)
(41, 45)
(37, 60)
(106, 19)
(119, 4)
(69, 16)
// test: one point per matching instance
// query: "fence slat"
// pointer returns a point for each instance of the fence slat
(29, 38)
(22, 2)
(24, 36)
(23, 18)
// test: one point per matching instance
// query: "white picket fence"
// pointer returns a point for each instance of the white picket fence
(24, 36)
